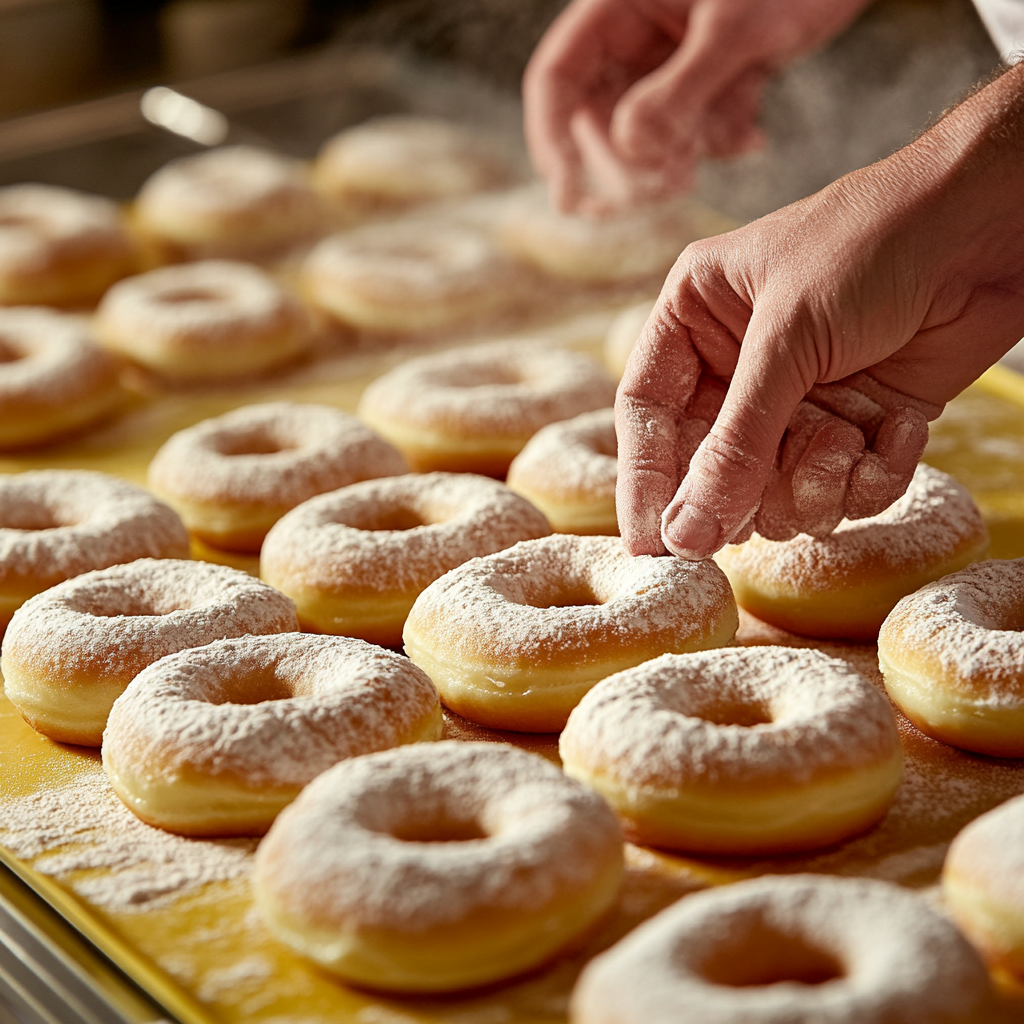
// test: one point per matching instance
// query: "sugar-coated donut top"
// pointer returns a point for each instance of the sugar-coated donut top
(735, 954)
(269, 709)
(566, 592)
(405, 158)
(570, 459)
(397, 533)
(971, 625)
(59, 523)
(234, 183)
(49, 358)
(989, 852)
(756, 715)
(408, 261)
(206, 304)
(348, 848)
(928, 525)
(504, 388)
(278, 453)
(42, 224)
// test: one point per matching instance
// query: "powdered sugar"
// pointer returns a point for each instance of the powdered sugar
(989, 854)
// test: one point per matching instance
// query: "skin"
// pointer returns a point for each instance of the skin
(787, 373)
(624, 97)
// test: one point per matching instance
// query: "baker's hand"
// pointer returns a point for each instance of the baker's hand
(624, 96)
(786, 375)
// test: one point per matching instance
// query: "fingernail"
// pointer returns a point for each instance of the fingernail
(692, 533)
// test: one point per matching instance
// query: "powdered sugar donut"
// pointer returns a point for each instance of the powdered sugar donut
(952, 656)
(399, 160)
(623, 333)
(846, 584)
(407, 276)
(59, 247)
(209, 319)
(355, 560)
(233, 201)
(59, 523)
(472, 410)
(69, 652)
(751, 750)
(216, 740)
(568, 470)
(801, 949)
(641, 242)
(429, 870)
(983, 883)
(232, 477)
(53, 377)
(515, 639)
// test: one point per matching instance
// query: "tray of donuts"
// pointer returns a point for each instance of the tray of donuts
(327, 723)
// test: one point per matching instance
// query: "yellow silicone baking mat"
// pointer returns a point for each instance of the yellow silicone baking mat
(176, 914)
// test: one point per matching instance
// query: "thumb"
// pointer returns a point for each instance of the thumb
(727, 475)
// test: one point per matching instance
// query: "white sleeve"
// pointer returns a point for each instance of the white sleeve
(1004, 20)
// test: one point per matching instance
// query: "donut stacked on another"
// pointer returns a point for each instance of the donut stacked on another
(514, 640)
(844, 585)
(568, 470)
(54, 379)
(59, 247)
(355, 560)
(210, 320)
(232, 477)
(60, 523)
(952, 657)
(216, 740)
(437, 869)
(473, 409)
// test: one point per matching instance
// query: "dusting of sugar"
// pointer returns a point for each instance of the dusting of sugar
(278, 454)
(342, 541)
(503, 389)
(989, 853)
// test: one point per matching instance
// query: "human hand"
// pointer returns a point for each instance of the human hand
(624, 96)
(786, 375)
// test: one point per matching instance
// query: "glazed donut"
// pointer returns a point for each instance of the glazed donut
(800, 949)
(60, 523)
(53, 378)
(472, 410)
(355, 560)
(71, 651)
(639, 243)
(407, 276)
(623, 333)
(983, 884)
(232, 477)
(203, 320)
(431, 870)
(515, 639)
(568, 470)
(216, 740)
(749, 750)
(400, 160)
(59, 247)
(236, 201)
(846, 584)
(952, 657)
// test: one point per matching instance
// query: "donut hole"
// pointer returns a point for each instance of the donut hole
(254, 442)
(602, 444)
(18, 220)
(9, 351)
(181, 296)
(133, 603)
(737, 712)
(260, 685)
(482, 376)
(563, 592)
(440, 829)
(29, 515)
(759, 954)
(397, 517)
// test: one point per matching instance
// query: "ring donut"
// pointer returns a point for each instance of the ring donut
(800, 949)
(751, 750)
(216, 740)
(355, 560)
(54, 379)
(514, 640)
(952, 656)
(71, 651)
(232, 477)
(432, 870)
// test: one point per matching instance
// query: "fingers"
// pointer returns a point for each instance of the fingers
(883, 474)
